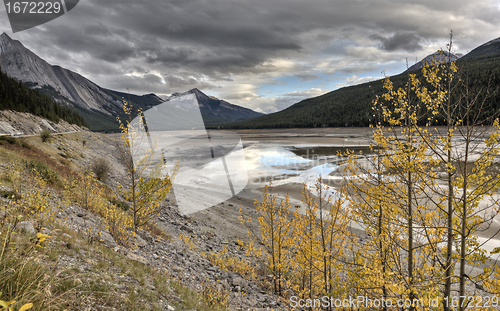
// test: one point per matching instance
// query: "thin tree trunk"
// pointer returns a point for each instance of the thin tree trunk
(410, 239)
(449, 215)
(449, 242)
(464, 224)
(380, 232)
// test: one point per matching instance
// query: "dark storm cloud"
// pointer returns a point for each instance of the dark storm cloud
(168, 46)
(400, 41)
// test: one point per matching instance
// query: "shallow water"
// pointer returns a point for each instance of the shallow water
(287, 160)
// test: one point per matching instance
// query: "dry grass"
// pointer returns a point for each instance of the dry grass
(73, 272)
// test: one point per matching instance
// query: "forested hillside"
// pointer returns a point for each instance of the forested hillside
(16, 96)
(351, 106)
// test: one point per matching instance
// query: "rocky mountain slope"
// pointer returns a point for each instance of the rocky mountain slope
(179, 264)
(22, 64)
(14, 123)
(97, 105)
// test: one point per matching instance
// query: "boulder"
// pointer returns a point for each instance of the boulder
(27, 227)
(138, 258)
(139, 241)
(239, 281)
(186, 228)
(107, 240)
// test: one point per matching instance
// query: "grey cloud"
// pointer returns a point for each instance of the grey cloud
(400, 41)
(306, 76)
(207, 44)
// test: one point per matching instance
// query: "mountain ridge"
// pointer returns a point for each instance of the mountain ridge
(489, 48)
(351, 106)
(99, 106)
(22, 64)
(215, 111)
(435, 58)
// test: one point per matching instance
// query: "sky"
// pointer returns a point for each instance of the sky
(261, 54)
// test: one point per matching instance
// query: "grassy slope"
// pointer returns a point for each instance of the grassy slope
(44, 279)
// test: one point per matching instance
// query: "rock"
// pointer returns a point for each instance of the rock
(80, 221)
(186, 228)
(251, 301)
(140, 241)
(170, 308)
(108, 240)
(238, 281)
(138, 258)
(27, 227)
(145, 236)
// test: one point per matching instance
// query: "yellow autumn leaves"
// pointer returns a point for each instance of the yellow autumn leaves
(302, 249)
(407, 222)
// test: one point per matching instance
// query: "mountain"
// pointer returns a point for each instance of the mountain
(490, 48)
(97, 105)
(216, 111)
(16, 96)
(348, 106)
(436, 58)
(351, 106)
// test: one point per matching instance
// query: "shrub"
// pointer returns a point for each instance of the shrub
(215, 296)
(22, 276)
(4, 140)
(10, 194)
(42, 170)
(8, 139)
(101, 169)
(121, 204)
(45, 135)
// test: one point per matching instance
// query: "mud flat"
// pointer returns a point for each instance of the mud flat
(290, 158)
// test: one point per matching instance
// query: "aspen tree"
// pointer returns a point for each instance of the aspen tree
(274, 235)
(372, 207)
(391, 203)
(333, 224)
(437, 98)
(466, 152)
(147, 186)
(404, 159)
(306, 247)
